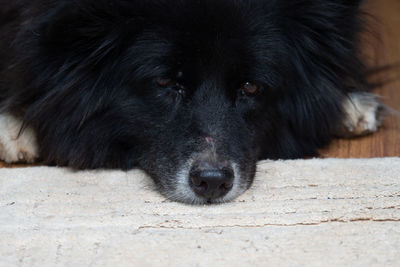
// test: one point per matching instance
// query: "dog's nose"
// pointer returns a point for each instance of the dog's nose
(211, 182)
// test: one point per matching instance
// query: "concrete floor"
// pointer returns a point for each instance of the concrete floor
(298, 213)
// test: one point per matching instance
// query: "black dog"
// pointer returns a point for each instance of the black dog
(193, 92)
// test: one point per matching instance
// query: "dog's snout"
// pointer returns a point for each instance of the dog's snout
(211, 181)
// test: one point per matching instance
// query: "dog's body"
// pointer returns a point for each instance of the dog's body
(193, 92)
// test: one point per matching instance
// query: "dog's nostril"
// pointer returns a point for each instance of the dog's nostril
(211, 183)
(226, 186)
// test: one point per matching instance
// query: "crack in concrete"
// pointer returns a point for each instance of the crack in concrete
(337, 220)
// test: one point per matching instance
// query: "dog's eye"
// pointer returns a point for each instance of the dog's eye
(171, 84)
(249, 88)
(165, 82)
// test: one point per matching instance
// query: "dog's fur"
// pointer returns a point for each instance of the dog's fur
(83, 77)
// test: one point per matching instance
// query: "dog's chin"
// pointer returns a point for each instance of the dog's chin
(189, 197)
(180, 191)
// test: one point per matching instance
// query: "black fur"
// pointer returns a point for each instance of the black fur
(82, 74)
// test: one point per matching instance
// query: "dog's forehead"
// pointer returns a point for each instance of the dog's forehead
(214, 40)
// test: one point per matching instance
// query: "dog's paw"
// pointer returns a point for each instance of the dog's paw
(16, 146)
(363, 114)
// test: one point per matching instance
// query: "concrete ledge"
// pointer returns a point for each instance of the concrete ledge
(327, 212)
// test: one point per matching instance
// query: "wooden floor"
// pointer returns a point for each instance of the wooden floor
(382, 48)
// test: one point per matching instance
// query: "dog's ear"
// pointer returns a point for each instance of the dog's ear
(343, 3)
(350, 3)
(353, 3)
(85, 25)
(356, 2)
(73, 26)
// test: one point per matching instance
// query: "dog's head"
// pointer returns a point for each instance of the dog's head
(203, 79)
(195, 92)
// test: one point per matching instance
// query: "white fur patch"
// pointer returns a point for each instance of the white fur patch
(238, 187)
(364, 114)
(15, 146)
(182, 191)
